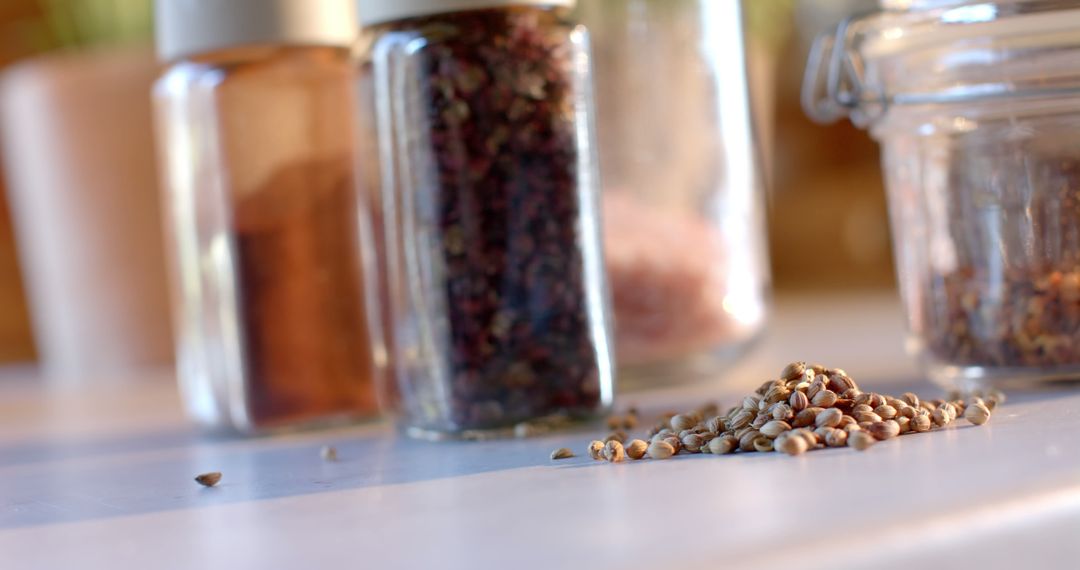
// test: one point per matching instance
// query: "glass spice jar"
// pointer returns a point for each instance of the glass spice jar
(490, 280)
(256, 152)
(684, 237)
(977, 108)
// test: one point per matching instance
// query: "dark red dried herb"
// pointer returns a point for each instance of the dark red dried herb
(1014, 298)
(499, 94)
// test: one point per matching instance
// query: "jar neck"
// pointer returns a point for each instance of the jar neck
(963, 54)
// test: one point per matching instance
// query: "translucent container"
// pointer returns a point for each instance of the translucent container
(253, 119)
(977, 109)
(684, 235)
(490, 279)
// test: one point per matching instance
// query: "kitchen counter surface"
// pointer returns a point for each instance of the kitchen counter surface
(100, 477)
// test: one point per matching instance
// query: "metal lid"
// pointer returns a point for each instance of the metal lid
(190, 27)
(942, 51)
(381, 11)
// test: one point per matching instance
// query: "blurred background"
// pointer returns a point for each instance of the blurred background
(75, 123)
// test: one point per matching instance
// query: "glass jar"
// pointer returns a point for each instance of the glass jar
(490, 280)
(977, 108)
(684, 236)
(253, 121)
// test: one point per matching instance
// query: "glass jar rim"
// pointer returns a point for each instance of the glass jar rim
(837, 82)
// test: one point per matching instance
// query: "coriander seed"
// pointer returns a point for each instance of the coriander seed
(328, 453)
(977, 414)
(791, 444)
(860, 440)
(660, 450)
(636, 449)
(208, 479)
(614, 452)
(596, 450)
(561, 453)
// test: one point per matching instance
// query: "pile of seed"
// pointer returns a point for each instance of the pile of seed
(808, 407)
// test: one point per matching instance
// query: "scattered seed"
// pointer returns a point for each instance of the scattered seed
(680, 422)
(883, 430)
(596, 450)
(791, 444)
(328, 453)
(636, 449)
(561, 453)
(614, 452)
(208, 479)
(977, 414)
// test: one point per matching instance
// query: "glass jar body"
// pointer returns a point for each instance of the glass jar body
(261, 215)
(684, 237)
(485, 233)
(985, 207)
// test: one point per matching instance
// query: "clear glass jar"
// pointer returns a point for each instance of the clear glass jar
(490, 281)
(977, 108)
(261, 212)
(684, 235)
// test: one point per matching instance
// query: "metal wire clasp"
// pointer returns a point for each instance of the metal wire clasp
(833, 86)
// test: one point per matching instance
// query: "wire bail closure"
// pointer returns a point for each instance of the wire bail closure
(833, 85)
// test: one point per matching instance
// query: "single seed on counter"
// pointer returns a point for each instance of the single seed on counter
(660, 450)
(328, 453)
(596, 450)
(977, 414)
(636, 449)
(208, 479)
(860, 440)
(614, 452)
(561, 453)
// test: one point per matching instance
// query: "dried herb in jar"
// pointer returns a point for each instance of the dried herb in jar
(1006, 304)
(499, 95)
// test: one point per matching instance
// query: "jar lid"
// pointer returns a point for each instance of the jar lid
(189, 27)
(917, 52)
(374, 12)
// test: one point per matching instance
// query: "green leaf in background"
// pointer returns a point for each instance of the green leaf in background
(86, 23)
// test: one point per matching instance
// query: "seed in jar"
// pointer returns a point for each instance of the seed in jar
(636, 449)
(660, 450)
(596, 450)
(860, 440)
(614, 452)
(208, 479)
(977, 414)
(561, 453)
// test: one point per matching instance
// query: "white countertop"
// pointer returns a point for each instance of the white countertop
(101, 478)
